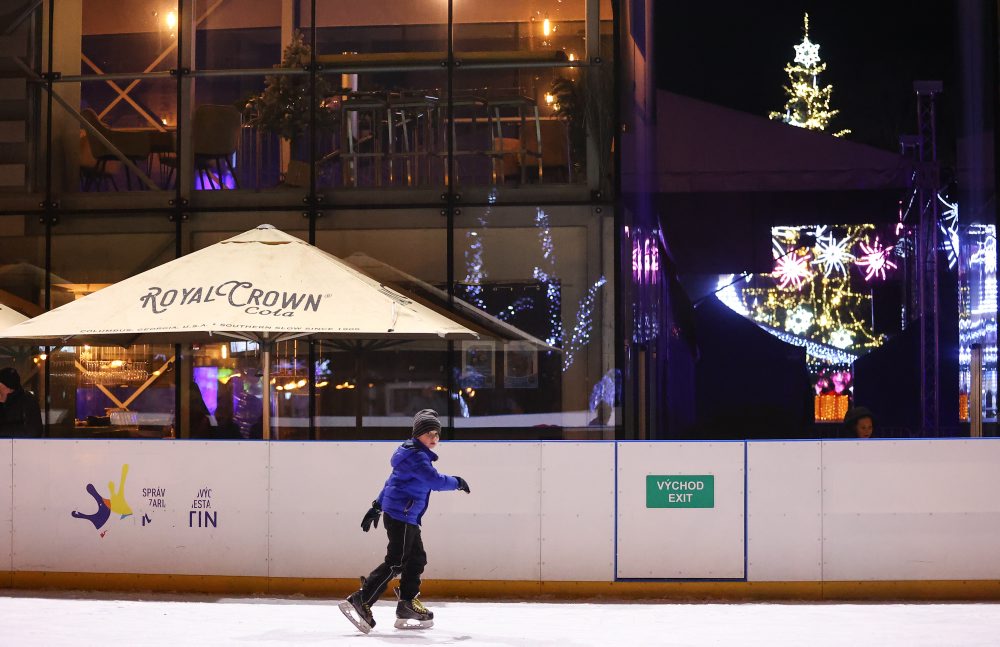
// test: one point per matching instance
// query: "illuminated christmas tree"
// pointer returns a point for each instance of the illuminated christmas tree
(808, 104)
(818, 296)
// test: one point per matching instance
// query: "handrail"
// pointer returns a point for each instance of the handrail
(24, 15)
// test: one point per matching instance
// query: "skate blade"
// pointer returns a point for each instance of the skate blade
(348, 610)
(409, 623)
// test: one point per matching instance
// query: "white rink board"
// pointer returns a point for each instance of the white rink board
(578, 500)
(681, 543)
(6, 512)
(319, 493)
(911, 509)
(494, 532)
(51, 478)
(784, 522)
(539, 511)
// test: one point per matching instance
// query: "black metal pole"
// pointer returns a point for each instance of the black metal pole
(314, 200)
(450, 363)
(179, 201)
(49, 207)
(620, 276)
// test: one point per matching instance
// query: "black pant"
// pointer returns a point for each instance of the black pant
(404, 556)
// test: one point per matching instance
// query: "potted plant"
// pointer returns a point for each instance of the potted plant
(586, 105)
(283, 107)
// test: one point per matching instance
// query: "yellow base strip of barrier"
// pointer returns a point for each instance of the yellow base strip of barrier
(701, 591)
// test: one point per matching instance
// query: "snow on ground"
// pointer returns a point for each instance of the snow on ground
(69, 619)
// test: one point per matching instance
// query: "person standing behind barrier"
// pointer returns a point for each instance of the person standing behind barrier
(404, 500)
(20, 416)
(860, 422)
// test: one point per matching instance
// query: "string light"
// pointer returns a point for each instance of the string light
(548, 278)
(475, 272)
(580, 335)
(522, 304)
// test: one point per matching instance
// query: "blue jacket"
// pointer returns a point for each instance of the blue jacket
(408, 489)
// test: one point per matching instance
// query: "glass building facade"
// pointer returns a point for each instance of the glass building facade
(462, 149)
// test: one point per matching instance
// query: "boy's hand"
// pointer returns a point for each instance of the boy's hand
(462, 485)
(372, 516)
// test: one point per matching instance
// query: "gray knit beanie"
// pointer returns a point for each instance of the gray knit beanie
(426, 420)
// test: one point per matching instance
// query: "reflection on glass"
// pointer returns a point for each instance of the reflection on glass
(112, 392)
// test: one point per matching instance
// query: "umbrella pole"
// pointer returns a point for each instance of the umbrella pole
(266, 391)
(359, 382)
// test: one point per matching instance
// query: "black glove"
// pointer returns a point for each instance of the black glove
(462, 485)
(372, 516)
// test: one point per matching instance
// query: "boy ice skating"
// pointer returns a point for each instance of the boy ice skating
(404, 500)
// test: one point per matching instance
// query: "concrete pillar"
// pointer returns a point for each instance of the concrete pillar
(67, 43)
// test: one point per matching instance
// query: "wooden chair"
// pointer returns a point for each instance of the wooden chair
(215, 136)
(546, 151)
(133, 144)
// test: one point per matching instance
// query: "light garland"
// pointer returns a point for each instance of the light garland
(808, 103)
(832, 255)
(977, 323)
(792, 269)
(475, 272)
(948, 224)
(875, 258)
(822, 311)
(580, 335)
(548, 278)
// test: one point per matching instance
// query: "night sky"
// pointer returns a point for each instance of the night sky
(734, 54)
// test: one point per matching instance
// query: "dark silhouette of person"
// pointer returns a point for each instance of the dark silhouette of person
(859, 422)
(20, 416)
(200, 423)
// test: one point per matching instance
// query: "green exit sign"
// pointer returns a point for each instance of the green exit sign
(688, 491)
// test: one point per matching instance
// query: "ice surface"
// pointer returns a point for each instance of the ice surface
(46, 618)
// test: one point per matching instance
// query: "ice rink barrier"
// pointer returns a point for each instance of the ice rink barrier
(771, 519)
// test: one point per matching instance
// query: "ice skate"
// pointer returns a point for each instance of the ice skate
(412, 614)
(359, 613)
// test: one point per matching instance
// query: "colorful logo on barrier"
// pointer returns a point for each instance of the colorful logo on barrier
(115, 503)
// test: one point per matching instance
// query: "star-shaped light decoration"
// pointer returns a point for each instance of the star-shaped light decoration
(832, 254)
(807, 53)
(875, 259)
(841, 338)
(798, 321)
(792, 269)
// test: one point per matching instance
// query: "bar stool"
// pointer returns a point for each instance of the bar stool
(501, 146)
(412, 113)
(469, 106)
(357, 108)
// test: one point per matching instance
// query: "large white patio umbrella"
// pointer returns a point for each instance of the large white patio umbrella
(9, 317)
(263, 286)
